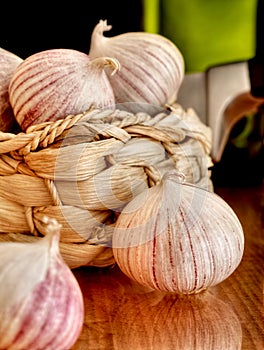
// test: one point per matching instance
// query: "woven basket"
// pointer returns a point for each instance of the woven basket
(83, 169)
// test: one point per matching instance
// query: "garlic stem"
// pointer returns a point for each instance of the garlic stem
(174, 175)
(113, 63)
(98, 37)
(52, 233)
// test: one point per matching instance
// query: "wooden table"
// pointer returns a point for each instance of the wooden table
(121, 315)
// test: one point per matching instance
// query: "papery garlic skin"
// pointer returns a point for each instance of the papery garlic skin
(8, 63)
(52, 84)
(152, 67)
(178, 238)
(41, 303)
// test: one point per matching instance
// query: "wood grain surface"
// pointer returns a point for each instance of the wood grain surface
(121, 315)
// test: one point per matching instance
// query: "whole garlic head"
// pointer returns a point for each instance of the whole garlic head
(178, 238)
(51, 84)
(152, 66)
(41, 303)
(8, 63)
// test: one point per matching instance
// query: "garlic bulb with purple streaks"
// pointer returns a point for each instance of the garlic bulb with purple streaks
(178, 238)
(52, 84)
(152, 67)
(8, 63)
(41, 303)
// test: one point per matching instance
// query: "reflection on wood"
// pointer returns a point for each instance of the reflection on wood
(244, 290)
(144, 322)
(122, 315)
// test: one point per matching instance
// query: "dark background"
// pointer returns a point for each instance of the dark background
(29, 27)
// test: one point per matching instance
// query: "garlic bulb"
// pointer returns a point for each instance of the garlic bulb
(177, 237)
(8, 63)
(41, 304)
(152, 67)
(52, 84)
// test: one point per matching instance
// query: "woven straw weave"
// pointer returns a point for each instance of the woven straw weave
(83, 169)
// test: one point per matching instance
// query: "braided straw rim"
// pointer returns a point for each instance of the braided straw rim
(29, 191)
